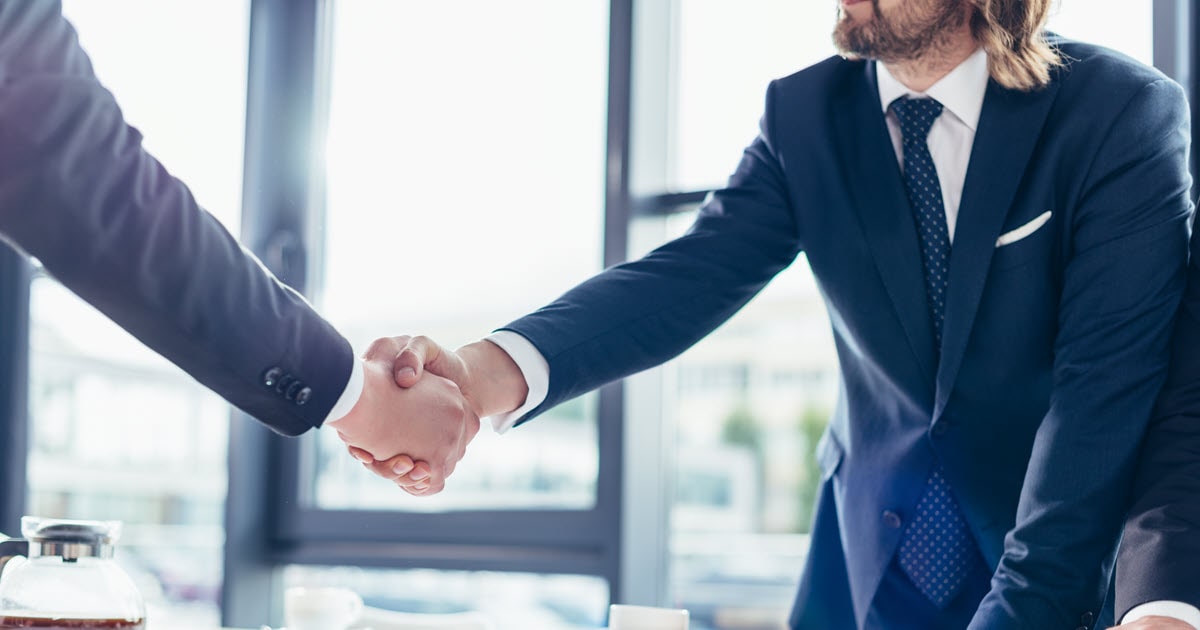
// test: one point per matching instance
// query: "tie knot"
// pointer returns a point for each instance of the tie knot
(916, 116)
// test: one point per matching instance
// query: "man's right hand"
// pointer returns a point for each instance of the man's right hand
(488, 378)
(429, 421)
(491, 381)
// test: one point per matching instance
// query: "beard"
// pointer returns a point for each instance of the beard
(903, 33)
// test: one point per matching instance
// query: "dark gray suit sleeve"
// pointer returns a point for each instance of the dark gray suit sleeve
(78, 191)
(1160, 550)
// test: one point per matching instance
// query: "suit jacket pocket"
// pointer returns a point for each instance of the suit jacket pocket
(1027, 242)
(829, 454)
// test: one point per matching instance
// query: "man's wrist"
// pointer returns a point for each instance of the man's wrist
(496, 383)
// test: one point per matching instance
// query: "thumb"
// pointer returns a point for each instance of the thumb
(417, 355)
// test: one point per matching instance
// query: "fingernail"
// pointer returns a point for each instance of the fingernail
(418, 475)
(401, 468)
(421, 487)
(363, 457)
(406, 372)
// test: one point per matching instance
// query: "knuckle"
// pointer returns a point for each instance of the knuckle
(381, 346)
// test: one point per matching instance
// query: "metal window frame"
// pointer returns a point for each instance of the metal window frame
(267, 523)
(15, 278)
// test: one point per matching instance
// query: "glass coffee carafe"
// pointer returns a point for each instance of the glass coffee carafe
(67, 578)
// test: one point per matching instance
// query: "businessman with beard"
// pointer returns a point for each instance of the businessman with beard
(997, 218)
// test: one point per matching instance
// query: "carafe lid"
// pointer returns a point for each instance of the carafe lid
(70, 539)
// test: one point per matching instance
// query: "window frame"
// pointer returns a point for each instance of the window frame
(288, 90)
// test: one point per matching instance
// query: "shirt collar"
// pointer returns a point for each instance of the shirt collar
(960, 92)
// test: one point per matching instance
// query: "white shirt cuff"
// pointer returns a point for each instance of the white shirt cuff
(533, 367)
(1165, 608)
(350, 394)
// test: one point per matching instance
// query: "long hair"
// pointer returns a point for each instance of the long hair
(1013, 34)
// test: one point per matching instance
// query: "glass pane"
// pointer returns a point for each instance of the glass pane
(1126, 25)
(116, 431)
(726, 54)
(465, 158)
(755, 395)
(511, 601)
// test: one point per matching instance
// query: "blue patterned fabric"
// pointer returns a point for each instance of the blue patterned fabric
(936, 550)
(925, 197)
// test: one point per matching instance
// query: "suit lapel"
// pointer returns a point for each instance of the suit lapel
(1009, 127)
(873, 177)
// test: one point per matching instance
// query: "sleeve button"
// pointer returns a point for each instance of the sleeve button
(293, 389)
(303, 395)
(284, 382)
(271, 376)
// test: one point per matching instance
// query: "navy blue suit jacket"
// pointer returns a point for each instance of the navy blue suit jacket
(1054, 346)
(79, 192)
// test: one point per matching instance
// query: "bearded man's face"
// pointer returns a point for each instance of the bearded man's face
(895, 30)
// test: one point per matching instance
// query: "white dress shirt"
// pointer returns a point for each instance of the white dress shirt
(350, 394)
(950, 141)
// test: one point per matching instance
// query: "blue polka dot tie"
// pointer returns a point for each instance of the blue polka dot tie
(936, 550)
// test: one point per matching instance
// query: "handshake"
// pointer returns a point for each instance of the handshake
(420, 406)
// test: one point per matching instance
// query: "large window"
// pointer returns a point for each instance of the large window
(465, 177)
(116, 432)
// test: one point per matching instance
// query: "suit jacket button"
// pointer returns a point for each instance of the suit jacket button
(303, 395)
(293, 389)
(891, 519)
(1087, 618)
(271, 376)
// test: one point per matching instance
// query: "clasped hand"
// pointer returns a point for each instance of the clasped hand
(421, 406)
(409, 427)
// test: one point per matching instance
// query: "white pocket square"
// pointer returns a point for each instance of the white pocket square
(1009, 238)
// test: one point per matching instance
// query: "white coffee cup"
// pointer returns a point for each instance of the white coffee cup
(320, 608)
(623, 617)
